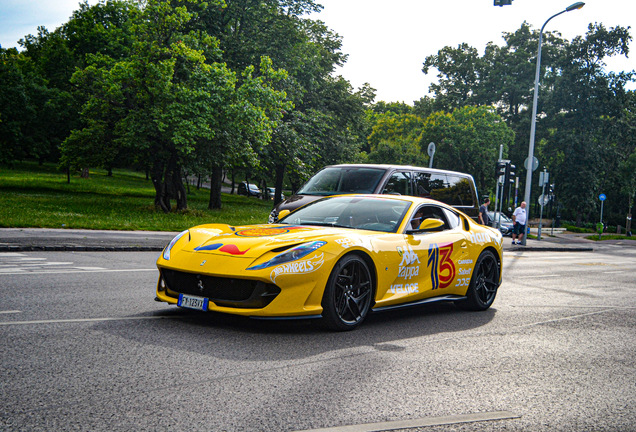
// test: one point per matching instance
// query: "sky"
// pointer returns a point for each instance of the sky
(387, 42)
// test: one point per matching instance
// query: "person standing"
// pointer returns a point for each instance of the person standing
(484, 219)
(519, 218)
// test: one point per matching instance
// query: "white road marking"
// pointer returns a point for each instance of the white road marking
(10, 312)
(618, 271)
(18, 260)
(79, 320)
(564, 318)
(423, 422)
(537, 276)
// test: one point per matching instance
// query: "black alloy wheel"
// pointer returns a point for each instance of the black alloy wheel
(348, 294)
(483, 285)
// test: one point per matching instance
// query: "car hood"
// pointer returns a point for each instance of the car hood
(295, 201)
(254, 240)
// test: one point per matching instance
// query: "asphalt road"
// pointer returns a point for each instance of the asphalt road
(85, 347)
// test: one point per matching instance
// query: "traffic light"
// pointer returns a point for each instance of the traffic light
(500, 168)
(509, 173)
(503, 2)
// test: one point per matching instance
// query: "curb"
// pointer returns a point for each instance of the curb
(550, 249)
(80, 249)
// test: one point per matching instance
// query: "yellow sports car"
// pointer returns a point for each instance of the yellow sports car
(336, 258)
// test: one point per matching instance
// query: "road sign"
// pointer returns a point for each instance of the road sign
(535, 163)
(602, 197)
(431, 153)
(431, 149)
(544, 200)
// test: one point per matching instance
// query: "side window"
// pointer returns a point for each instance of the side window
(453, 218)
(438, 185)
(399, 184)
(430, 212)
(459, 191)
(422, 185)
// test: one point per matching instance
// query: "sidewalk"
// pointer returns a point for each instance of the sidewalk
(558, 243)
(44, 239)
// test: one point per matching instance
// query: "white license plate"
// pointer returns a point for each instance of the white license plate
(193, 302)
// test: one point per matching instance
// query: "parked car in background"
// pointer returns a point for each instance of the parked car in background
(249, 190)
(453, 188)
(505, 223)
(272, 193)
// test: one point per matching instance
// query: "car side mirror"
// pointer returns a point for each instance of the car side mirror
(426, 225)
(429, 224)
(283, 213)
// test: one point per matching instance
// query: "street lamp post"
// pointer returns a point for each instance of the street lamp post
(577, 5)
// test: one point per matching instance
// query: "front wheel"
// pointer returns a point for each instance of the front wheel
(483, 285)
(348, 294)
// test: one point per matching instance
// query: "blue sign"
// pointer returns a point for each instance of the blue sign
(602, 197)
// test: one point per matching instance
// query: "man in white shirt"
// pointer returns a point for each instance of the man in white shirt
(519, 217)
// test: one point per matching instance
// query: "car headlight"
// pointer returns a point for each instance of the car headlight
(291, 255)
(166, 251)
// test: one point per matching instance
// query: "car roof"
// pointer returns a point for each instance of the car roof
(412, 199)
(399, 167)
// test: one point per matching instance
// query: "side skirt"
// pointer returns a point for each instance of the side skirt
(287, 318)
(448, 297)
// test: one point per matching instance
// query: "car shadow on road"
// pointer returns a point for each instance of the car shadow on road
(240, 338)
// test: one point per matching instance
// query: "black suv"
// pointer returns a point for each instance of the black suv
(249, 189)
(453, 188)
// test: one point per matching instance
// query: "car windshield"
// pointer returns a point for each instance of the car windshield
(368, 213)
(335, 181)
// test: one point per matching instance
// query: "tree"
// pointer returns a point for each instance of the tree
(581, 112)
(164, 101)
(395, 139)
(309, 52)
(468, 140)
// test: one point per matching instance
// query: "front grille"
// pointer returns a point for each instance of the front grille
(230, 292)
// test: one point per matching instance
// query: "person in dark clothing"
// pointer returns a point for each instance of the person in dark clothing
(484, 219)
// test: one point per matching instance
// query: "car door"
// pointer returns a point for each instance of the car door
(429, 265)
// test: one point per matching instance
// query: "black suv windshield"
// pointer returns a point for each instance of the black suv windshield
(334, 181)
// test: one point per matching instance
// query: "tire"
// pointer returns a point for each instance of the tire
(483, 285)
(348, 294)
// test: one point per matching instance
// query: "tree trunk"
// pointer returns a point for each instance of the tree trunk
(215, 187)
(264, 190)
(84, 173)
(178, 189)
(160, 192)
(232, 191)
(280, 174)
(294, 184)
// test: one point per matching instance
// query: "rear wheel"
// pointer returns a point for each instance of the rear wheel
(348, 294)
(483, 285)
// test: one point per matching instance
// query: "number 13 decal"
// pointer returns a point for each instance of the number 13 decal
(442, 270)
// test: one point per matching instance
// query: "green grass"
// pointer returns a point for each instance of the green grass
(575, 229)
(33, 196)
(610, 237)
